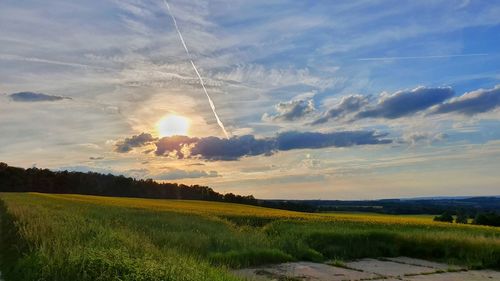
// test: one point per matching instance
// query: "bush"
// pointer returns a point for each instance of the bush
(490, 219)
(445, 217)
(461, 218)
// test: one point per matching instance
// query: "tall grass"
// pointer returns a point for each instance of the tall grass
(69, 237)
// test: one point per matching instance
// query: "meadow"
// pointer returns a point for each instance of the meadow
(78, 237)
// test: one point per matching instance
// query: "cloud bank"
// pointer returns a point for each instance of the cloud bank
(34, 97)
(217, 149)
(471, 103)
(404, 103)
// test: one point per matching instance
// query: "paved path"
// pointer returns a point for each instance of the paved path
(387, 269)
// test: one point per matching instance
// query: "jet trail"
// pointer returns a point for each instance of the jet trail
(212, 105)
(54, 62)
(420, 57)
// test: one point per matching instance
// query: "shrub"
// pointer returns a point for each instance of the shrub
(445, 217)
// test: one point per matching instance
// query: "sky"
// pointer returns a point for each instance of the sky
(320, 99)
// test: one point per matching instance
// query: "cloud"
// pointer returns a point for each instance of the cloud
(290, 111)
(135, 141)
(404, 103)
(174, 145)
(347, 105)
(298, 140)
(220, 149)
(175, 174)
(389, 106)
(471, 103)
(413, 138)
(96, 158)
(34, 97)
(213, 148)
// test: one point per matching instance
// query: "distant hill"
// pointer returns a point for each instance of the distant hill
(429, 205)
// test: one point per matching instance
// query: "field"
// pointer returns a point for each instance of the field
(76, 237)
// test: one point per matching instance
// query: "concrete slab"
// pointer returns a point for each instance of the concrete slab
(399, 269)
(424, 263)
(389, 268)
(472, 275)
(304, 271)
(252, 274)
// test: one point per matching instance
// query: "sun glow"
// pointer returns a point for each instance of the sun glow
(171, 125)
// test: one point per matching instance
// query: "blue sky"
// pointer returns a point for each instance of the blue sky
(322, 99)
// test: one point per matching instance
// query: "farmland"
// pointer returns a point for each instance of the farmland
(78, 237)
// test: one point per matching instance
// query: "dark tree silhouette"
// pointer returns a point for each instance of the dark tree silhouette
(445, 217)
(490, 219)
(461, 218)
(13, 179)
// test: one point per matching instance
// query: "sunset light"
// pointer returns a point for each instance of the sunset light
(172, 125)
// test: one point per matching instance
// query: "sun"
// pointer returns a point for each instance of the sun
(172, 125)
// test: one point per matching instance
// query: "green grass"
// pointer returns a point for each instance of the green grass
(76, 237)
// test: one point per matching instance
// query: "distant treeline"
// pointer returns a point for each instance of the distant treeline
(13, 179)
(470, 207)
(476, 210)
(490, 218)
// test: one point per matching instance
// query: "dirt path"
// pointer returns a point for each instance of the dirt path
(388, 269)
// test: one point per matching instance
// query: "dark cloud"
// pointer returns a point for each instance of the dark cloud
(34, 97)
(471, 103)
(215, 149)
(404, 103)
(175, 174)
(348, 104)
(96, 158)
(292, 110)
(297, 140)
(135, 141)
(174, 145)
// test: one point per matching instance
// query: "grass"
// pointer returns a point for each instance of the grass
(76, 237)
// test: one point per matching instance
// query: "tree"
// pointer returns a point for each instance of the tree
(461, 218)
(445, 217)
(491, 219)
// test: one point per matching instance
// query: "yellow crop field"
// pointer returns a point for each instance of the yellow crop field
(79, 237)
(239, 210)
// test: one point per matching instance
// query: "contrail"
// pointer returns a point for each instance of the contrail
(421, 57)
(212, 105)
(55, 62)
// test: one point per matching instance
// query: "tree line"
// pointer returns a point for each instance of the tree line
(490, 218)
(14, 179)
